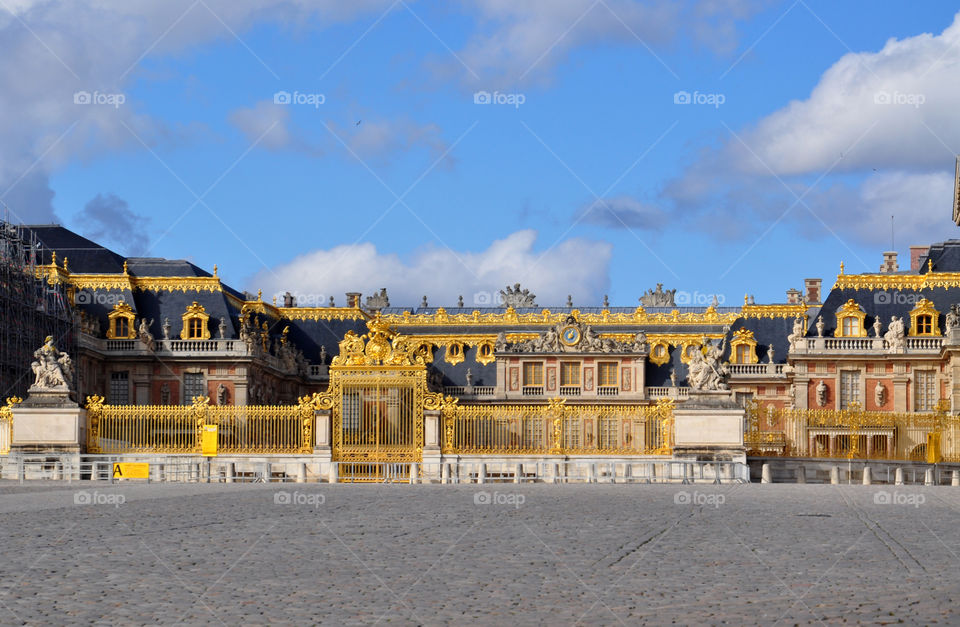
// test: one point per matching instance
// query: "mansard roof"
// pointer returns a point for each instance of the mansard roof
(84, 255)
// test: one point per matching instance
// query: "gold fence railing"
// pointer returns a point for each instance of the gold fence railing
(253, 429)
(6, 423)
(853, 433)
(558, 429)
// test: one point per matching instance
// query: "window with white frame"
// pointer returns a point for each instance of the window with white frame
(925, 390)
(849, 388)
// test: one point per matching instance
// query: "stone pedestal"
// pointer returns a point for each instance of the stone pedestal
(48, 422)
(709, 427)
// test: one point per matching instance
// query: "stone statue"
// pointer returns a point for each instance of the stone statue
(223, 328)
(606, 301)
(53, 369)
(165, 394)
(460, 301)
(500, 345)
(143, 332)
(895, 335)
(877, 327)
(880, 394)
(770, 354)
(673, 379)
(658, 298)
(331, 303)
(822, 394)
(952, 319)
(706, 371)
(166, 328)
(569, 300)
(640, 343)
(820, 326)
(514, 297)
(221, 394)
(715, 302)
(323, 355)
(424, 302)
(796, 336)
(378, 301)
(469, 378)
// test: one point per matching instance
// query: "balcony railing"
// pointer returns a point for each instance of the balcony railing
(666, 392)
(463, 390)
(569, 390)
(764, 370)
(533, 390)
(608, 390)
(869, 344)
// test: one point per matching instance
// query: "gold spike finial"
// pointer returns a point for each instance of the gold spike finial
(746, 299)
(841, 267)
(65, 264)
(214, 269)
(274, 301)
(929, 265)
(53, 258)
(260, 295)
(125, 270)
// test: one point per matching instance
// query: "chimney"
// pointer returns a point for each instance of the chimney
(812, 289)
(889, 264)
(289, 300)
(793, 296)
(353, 299)
(917, 253)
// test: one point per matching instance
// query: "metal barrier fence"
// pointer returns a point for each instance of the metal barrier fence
(853, 433)
(559, 429)
(268, 429)
(194, 470)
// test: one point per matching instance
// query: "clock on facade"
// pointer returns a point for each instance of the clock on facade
(570, 335)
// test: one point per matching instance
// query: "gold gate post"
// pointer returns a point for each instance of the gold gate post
(199, 411)
(556, 409)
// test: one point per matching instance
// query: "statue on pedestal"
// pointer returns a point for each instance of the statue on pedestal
(52, 368)
(706, 370)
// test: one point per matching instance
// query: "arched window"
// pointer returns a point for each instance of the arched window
(743, 347)
(924, 319)
(850, 319)
(851, 327)
(121, 321)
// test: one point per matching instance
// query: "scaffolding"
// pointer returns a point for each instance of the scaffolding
(30, 310)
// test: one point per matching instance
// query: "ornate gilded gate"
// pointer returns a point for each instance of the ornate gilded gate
(377, 393)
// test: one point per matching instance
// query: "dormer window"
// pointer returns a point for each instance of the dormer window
(850, 319)
(121, 322)
(743, 347)
(195, 323)
(924, 319)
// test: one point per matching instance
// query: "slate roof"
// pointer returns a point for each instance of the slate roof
(84, 255)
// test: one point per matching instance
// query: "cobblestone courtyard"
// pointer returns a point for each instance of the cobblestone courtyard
(564, 554)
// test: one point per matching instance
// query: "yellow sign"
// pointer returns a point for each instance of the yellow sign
(933, 448)
(208, 444)
(138, 470)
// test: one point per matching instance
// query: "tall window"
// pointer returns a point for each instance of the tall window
(120, 388)
(193, 386)
(849, 388)
(532, 373)
(123, 327)
(570, 374)
(743, 353)
(851, 326)
(925, 390)
(924, 325)
(607, 374)
(195, 328)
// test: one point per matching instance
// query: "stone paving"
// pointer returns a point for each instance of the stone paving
(495, 554)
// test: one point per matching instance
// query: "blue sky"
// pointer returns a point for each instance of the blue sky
(818, 121)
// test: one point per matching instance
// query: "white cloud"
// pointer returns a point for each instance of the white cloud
(882, 125)
(575, 266)
(894, 108)
(520, 42)
(54, 49)
(379, 139)
(266, 123)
